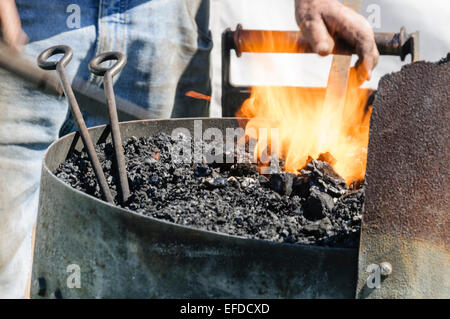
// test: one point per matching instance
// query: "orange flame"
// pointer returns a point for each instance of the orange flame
(308, 128)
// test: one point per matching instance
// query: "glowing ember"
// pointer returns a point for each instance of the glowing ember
(198, 96)
(308, 128)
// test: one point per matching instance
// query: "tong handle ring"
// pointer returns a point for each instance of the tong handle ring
(57, 49)
(95, 68)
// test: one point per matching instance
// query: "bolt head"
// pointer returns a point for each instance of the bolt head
(386, 268)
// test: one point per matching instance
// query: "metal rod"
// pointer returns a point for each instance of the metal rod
(108, 73)
(59, 66)
(264, 41)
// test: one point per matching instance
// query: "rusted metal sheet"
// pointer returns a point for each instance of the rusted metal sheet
(122, 254)
(407, 203)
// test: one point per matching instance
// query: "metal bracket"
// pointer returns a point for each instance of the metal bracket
(404, 248)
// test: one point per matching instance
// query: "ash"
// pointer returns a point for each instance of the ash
(314, 207)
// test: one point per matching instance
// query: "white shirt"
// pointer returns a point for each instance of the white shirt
(430, 17)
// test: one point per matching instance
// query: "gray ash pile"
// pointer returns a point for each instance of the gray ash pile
(313, 207)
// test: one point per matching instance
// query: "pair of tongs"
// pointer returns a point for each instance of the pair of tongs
(107, 73)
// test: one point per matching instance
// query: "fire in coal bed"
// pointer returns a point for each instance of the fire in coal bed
(313, 207)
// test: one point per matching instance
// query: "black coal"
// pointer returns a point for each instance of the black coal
(313, 207)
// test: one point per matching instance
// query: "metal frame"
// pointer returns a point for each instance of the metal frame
(397, 44)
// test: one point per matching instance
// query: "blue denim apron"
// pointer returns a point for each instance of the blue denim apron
(167, 43)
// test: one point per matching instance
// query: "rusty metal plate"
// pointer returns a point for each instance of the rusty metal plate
(407, 217)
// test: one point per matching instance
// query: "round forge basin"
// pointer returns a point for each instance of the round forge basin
(87, 248)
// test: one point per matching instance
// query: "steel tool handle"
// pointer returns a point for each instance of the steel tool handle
(57, 49)
(108, 73)
(97, 69)
(263, 41)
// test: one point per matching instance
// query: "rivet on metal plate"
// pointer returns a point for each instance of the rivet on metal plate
(385, 268)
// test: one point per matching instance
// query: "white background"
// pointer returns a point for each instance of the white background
(430, 17)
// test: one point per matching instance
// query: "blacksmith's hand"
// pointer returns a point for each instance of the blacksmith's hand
(322, 21)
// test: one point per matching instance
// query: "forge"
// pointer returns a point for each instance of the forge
(314, 206)
(142, 256)
(160, 244)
